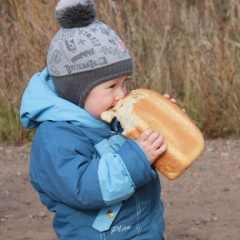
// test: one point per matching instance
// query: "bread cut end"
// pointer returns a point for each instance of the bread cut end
(123, 112)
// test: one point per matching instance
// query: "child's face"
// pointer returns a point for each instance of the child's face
(105, 95)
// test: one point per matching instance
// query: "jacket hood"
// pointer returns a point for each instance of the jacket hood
(40, 103)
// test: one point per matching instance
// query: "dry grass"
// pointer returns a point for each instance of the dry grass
(187, 48)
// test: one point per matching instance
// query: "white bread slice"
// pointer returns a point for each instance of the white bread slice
(143, 109)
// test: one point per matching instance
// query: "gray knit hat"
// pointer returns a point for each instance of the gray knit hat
(84, 52)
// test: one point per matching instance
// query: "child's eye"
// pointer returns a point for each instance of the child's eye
(112, 86)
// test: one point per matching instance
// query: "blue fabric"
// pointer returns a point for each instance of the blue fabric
(40, 103)
(103, 221)
(118, 185)
(81, 168)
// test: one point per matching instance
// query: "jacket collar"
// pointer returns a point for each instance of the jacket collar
(40, 103)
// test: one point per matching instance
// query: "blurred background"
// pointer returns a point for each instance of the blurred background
(187, 48)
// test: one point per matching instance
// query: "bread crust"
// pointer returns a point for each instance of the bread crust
(143, 109)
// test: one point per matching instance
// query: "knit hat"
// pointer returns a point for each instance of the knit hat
(84, 52)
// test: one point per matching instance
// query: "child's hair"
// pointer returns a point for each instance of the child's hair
(84, 52)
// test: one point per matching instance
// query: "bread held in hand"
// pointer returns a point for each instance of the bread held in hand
(143, 109)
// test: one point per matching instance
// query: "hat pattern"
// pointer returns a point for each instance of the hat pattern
(79, 58)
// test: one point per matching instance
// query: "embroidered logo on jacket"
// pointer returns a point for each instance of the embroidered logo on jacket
(120, 229)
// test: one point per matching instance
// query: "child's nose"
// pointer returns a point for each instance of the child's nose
(120, 94)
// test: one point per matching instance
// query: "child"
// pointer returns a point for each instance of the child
(99, 184)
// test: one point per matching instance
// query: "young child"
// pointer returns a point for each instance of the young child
(99, 184)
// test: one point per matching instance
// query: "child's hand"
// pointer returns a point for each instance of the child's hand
(153, 144)
(174, 101)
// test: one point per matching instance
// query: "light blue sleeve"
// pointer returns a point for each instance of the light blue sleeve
(115, 181)
(123, 167)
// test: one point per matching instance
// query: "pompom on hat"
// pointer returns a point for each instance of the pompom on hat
(84, 52)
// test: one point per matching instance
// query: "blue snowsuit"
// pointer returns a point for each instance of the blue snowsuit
(99, 184)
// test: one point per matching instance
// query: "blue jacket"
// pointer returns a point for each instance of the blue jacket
(99, 184)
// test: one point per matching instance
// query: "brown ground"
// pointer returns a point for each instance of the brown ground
(204, 203)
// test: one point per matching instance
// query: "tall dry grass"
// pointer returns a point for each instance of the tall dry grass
(188, 48)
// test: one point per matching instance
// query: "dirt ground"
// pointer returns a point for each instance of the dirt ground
(204, 203)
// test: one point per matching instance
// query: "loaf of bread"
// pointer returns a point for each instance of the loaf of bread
(143, 109)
